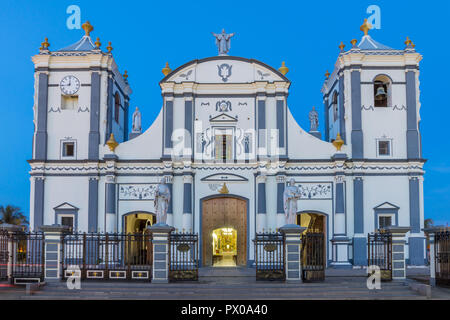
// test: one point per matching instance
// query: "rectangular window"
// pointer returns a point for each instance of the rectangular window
(384, 148)
(384, 221)
(67, 221)
(69, 102)
(68, 150)
(223, 145)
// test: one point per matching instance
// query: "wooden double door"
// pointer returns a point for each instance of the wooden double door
(224, 212)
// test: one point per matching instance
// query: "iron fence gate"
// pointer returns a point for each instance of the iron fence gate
(442, 257)
(4, 254)
(270, 256)
(114, 256)
(183, 256)
(313, 256)
(379, 246)
(27, 256)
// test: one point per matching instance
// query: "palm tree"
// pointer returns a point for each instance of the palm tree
(12, 215)
(428, 223)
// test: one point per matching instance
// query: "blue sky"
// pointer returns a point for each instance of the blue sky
(146, 34)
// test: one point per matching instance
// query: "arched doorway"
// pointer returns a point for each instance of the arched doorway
(138, 221)
(225, 218)
(314, 222)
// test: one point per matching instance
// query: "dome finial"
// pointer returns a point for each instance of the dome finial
(283, 69)
(365, 27)
(109, 47)
(45, 45)
(327, 74)
(112, 143)
(338, 142)
(166, 70)
(342, 46)
(87, 27)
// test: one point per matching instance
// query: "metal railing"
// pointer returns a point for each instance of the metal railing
(4, 254)
(101, 256)
(313, 256)
(28, 255)
(183, 256)
(379, 253)
(270, 256)
(442, 257)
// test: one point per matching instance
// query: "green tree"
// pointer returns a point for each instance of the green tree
(12, 215)
(428, 223)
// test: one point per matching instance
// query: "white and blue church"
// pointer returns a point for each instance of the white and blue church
(227, 144)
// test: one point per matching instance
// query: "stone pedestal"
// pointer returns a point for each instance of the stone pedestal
(52, 250)
(340, 254)
(160, 269)
(11, 229)
(292, 233)
(398, 251)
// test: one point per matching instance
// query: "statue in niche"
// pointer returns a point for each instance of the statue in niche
(161, 202)
(290, 196)
(136, 128)
(313, 119)
(223, 42)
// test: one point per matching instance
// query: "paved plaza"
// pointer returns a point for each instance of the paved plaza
(237, 284)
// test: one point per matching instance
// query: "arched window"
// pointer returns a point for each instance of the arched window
(117, 107)
(335, 106)
(382, 91)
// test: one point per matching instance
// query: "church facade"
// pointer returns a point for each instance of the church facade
(227, 145)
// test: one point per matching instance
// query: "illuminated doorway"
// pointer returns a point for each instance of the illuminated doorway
(314, 223)
(138, 246)
(224, 247)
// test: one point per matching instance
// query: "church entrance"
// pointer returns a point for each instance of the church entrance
(224, 232)
(315, 240)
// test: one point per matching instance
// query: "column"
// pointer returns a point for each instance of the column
(281, 219)
(340, 241)
(261, 211)
(271, 203)
(93, 204)
(188, 126)
(326, 117)
(398, 251)
(177, 200)
(261, 125)
(342, 108)
(359, 238)
(38, 202)
(40, 139)
(187, 203)
(160, 242)
(52, 251)
(293, 244)
(168, 125)
(94, 127)
(412, 133)
(281, 124)
(170, 218)
(357, 134)
(416, 239)
(110, 194)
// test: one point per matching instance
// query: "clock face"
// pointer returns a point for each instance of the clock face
(69, 85)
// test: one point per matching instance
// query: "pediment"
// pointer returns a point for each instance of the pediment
(223, 117)
(65, 206)
(224, 177)
(225, 70)
(387, 205)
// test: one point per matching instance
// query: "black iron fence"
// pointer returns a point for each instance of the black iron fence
(270, 256)
(313, 256)
(115, 256)
(379, 253)
(442, 257)
(4, 254)
(183, 256)
(27, 256)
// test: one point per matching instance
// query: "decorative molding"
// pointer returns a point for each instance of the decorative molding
(313, 190)
(224, 177)
(224, 71)
(57, 109)
(137, 191)
(86, 109)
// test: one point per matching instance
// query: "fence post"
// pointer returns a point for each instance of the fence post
(11, 229)
(52, 250)
(431, 232)
(160, 269)
(293, 241)
(398, 251)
